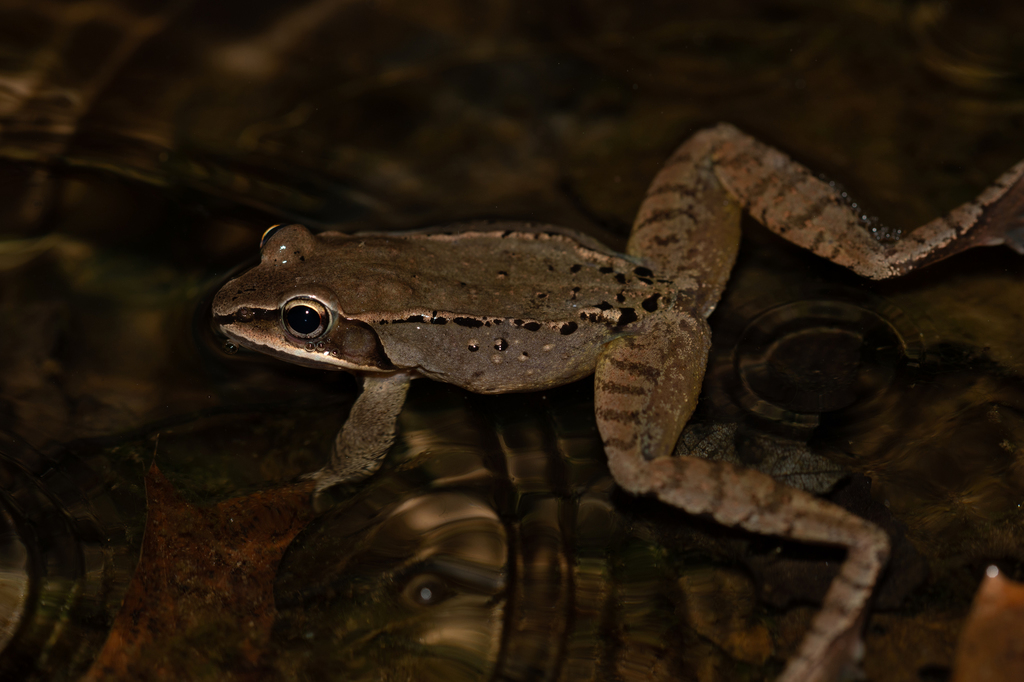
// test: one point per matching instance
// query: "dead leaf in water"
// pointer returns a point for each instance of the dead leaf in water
(201, 602)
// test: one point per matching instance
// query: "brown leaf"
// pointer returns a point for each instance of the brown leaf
(201, 602)
(991, 648)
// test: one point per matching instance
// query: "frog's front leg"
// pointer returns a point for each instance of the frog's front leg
(368, 433)
(646, 388)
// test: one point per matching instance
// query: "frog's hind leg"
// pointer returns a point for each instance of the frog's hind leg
(688, 226)
(789, 200)
(645, 390)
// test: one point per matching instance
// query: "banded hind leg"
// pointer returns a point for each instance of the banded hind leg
(789, 200)
(646, 387)
(645, 390)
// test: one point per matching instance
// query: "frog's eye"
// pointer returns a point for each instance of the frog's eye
(270, 233)
(305, 318)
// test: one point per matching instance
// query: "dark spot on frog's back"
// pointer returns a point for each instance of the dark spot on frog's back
(528, 326)
(626, 316)
(642, 272)
(576, 268)
(568, 328)
(650, 304)
(467, 322)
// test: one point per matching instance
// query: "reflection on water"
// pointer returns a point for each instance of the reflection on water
(14, 578)
(485, 554)
(64, 562)
(416, 589)
(781, 355)
(506, 552)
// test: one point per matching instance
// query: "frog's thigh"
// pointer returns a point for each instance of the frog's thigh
(688, 226)
(646, 385)
(368, 433)
(640, 381)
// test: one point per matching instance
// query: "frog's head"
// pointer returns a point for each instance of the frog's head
(279, 308)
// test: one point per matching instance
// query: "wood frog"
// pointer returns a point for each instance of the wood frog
(495, 307)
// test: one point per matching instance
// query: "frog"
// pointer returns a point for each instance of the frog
(505, 306)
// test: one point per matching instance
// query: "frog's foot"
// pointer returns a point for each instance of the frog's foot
(648, 375)
(368, 433)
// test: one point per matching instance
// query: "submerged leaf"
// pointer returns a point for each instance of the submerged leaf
(789, 461)
(201, 602)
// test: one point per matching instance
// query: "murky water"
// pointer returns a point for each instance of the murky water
(144, 147)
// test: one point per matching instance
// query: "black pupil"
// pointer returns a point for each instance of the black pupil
(303, 320)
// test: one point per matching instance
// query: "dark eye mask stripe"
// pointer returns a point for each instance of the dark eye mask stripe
(245, 315)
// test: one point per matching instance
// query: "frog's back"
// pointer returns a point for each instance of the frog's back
(487, 270)
(492, 307)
